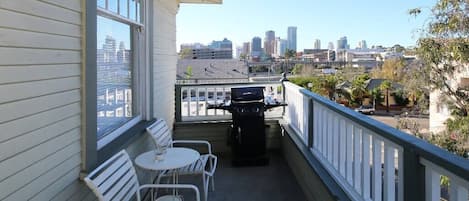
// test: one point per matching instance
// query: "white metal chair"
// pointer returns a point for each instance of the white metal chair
(116, 179)
(205, 166)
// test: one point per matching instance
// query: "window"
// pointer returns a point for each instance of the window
(118, 81)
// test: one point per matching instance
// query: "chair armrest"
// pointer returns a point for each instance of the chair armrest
(209, 146)
(187, 186)
(213, 164)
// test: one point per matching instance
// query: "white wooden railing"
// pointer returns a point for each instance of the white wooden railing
(366, 157)
(297, 109)
(458, 187)
(192, 100)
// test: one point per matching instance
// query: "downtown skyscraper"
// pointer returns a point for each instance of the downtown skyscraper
(317, 44)
(269, 42)
(291, 38)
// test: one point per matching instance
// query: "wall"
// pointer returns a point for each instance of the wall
(439, 112)
(40, 120)
(307, 178)
(217, 132)
(165, 59)
(40, 106)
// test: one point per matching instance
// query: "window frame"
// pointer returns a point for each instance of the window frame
(97, 150)
(138, 90)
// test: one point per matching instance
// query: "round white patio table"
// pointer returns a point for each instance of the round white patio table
(174, 158)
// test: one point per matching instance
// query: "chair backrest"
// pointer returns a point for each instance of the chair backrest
(115, 179)
(160, 133)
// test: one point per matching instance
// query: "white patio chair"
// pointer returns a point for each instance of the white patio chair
(205, 166)
(116, 179)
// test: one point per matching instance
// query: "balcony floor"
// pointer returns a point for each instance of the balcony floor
(274, 182)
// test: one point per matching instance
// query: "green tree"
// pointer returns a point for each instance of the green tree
(328, 84)
(386, 85)
(398, 48)
(416, 86)
(184, 53)
(444, 49)
(297, 69)
(376, 95)
(358, 88)
(290, 54)
(188, 72)
(392, 69)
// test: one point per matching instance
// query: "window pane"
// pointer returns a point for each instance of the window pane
(138, 11)
(132, 10)
(102, 3)
(123, 8)
(112, 5)
(114, 75)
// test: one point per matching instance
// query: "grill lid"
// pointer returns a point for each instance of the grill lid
(247, 94)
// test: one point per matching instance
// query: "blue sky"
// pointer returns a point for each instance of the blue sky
(378, 22)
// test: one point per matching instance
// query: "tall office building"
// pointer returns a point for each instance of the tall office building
(224, 44)
(280, 47)
(317, 44)
(269, 42)
(342, 43)
(216, 50)
(256, 47)
(362, 45)
(239, 51)
(330, 46)
(246, 48)
(291, 37)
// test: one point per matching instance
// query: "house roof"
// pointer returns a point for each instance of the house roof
(344, 85)
(212, 69)
(375, 83)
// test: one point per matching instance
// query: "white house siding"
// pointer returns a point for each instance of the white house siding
(40, 98)
(164, 58)
(439, 112)
(40, 95)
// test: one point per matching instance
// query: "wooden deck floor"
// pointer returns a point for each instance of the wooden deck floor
(274, 182)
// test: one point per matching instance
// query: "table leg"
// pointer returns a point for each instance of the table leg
(152, 189)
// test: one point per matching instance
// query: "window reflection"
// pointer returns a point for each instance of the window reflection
(123, 8)
(114, 75)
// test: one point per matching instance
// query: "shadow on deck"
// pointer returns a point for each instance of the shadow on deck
(274, 182)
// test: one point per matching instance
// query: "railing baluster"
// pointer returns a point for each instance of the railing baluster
(188, 93)
(349, 153)
(432, 185)
(197, 107)
(377, 170)
(324, 132)
(305, 115)
(366, 165)
(329, 136)
(335, 142)
(215, 98)
(206, 101)
(316, 126)
(356, 157)
(400, 175)
(224, 97)
(389, 172)
(457, 192)
(342, 145)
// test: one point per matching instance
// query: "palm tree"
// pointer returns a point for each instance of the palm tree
(386, 85)
(288, 55)
(358, 90)
(329, 84)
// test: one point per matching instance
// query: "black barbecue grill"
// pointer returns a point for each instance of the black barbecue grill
(247, 137)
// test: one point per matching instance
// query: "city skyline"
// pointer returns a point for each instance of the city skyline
(386, 23)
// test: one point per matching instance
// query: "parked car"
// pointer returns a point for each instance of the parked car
(366, 109)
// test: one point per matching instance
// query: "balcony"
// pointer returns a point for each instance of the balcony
(332, 152)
